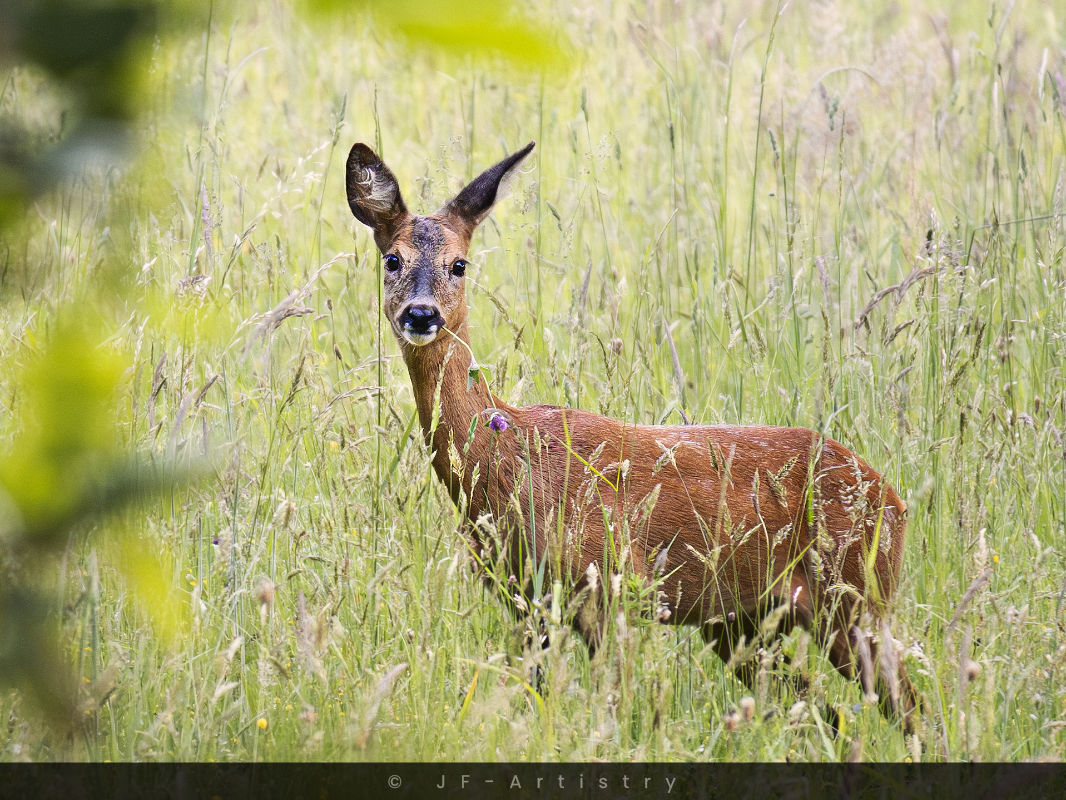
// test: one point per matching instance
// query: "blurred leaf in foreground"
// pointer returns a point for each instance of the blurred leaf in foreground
(504, 29)
(29, 652)
(88, 50)
(65, 467)
(66, 440)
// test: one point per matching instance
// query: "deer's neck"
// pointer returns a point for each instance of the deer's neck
(450, 405)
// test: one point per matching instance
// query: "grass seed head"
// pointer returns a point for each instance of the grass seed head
(747, 708)
(264, 592)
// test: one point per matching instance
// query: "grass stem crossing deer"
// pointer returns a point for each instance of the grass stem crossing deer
(730, 523)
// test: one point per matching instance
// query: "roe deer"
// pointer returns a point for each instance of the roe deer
(730, 523)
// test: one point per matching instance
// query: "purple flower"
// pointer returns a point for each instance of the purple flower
(498, 423)
(215, 540)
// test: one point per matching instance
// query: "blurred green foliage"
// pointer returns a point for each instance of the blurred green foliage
(87, 51)
(461, 28)
(66, 439)
(64, 468)
(64, 464)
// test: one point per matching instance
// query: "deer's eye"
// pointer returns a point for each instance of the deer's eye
(392, 262)
(459, 268)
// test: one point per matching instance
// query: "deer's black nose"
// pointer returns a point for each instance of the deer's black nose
(421, 319)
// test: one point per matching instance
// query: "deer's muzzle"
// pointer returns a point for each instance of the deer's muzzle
(419, 323)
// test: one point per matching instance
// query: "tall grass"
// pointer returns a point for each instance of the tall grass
(823, 215)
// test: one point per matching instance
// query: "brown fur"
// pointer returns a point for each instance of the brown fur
(731, 522)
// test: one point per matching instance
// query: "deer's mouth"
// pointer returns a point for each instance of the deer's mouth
(419, 337)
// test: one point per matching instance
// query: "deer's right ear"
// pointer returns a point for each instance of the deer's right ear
(374, 194)
(473, 204)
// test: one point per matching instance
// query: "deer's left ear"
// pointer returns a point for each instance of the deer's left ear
(474, 203)
(374, 194)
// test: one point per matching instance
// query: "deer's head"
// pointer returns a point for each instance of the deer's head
(424, 256)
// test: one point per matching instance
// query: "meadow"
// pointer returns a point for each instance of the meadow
(822, 214)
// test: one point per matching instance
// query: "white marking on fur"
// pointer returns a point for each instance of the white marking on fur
(419, 339)
(379, 195)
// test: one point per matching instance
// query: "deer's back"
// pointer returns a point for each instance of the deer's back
(719, 512)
